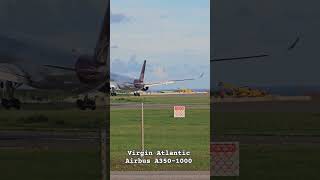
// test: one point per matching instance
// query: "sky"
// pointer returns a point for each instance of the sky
(59, 24)
(173, 36)
(250, 27)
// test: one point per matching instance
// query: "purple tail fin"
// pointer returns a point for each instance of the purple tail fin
(141, 79)
(102, 49)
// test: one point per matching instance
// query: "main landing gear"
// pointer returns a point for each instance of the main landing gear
(86, 103)
(136, 94)
(8, 100)
(113, 92)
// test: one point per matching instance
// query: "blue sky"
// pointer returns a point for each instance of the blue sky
(174, 37)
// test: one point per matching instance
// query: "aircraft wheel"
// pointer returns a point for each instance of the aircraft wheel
(16, 103)
(80, 104)
(5, 103)
(91, 103)
(93, 107)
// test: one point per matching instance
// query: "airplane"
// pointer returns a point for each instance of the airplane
(124, 83)
(84, 74)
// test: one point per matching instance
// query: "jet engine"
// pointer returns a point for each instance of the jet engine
(145, 88)
(88, 71)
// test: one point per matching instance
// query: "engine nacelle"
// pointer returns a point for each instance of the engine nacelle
(145, 88)
(88, 71)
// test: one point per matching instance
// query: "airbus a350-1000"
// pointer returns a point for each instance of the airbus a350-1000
(123, 83)
(33, 65)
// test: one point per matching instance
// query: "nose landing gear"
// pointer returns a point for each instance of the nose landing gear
(86, 103)
(8, 100)
(9, 103)
(113, 92)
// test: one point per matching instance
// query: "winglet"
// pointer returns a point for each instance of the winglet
(294, 44)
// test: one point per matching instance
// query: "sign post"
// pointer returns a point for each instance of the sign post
(103, 150)
(142, 128)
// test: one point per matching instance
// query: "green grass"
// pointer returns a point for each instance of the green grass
(277, 162)
(277, 123)
(50, 119)
(162, 132)
(49, 165)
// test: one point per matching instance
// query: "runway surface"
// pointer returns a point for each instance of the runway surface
(160, 175)
(269, 139)
(48, 140)
(270, 106)
(88, 140)
(155, 106)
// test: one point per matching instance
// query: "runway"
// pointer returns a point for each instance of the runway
(156, 106)
(88, 140)
(268, 106)
(160, 175)
(269, 139)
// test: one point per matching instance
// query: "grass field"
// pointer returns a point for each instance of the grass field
(272, 161)
(50, 119)
(277, 162)
(162, 132)
(277, 123)
(49, 165)
(40, 164)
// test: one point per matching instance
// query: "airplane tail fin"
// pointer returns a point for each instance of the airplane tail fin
(103, 45)
(141, 78)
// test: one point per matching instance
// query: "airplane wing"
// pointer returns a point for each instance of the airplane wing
(170, 81)
(255, 57)
(10, 72)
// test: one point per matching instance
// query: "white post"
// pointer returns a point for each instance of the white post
(142, 128)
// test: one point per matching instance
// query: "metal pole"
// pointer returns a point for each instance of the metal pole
(142, 128)
(104, 161)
